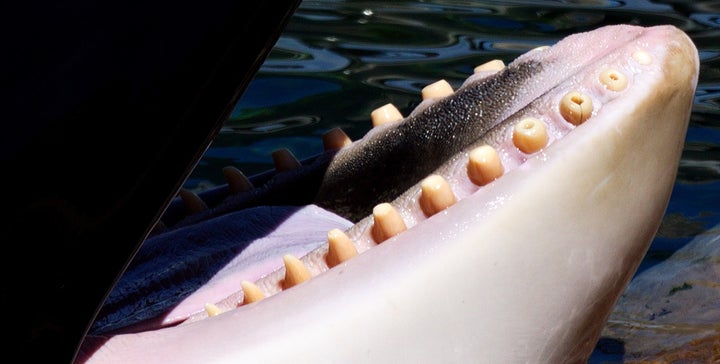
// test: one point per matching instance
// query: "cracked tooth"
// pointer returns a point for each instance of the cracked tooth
(340, 248)
(295, 271)
(494, 65)
(212, 310)
(284, 160)
(484, 165)
(335, 139)
(642, 57)
(192, 202)
(387, 222)
(576, 107)
(530, 135)
(236, 180)
(385, 114)
(436, 195)
(251, 292)
(613, 80)
(436, 90)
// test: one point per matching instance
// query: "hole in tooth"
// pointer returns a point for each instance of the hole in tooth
(438, 89)
(494, 65)
(236, 180)
(212, 309)
(613, 80)
(192, 202)
(295, 271)
(284, 160)
(436, 195)
(576, 107)
(385, 114)
(335, 139)
(340, 248)
(530, 135)
(251, 292)
(642, 57)
(484, 165)
(387, 222)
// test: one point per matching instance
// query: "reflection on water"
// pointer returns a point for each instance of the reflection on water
(339, 60)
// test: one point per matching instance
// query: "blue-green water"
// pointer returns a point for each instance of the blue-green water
(339, 60)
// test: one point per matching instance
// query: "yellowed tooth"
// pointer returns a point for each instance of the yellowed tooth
(340, 248)
(387, 113)
(295, 271)
(284, 160)
(642, 57)
(530, 135)
(438, 89)
(387, 222)
(436, 195)
(236, 180)
(484, 165)
(576, 107)
(212, 310)
(251, 292)
(192, 202)
(489, 66)
(335, 139)
(613, 80)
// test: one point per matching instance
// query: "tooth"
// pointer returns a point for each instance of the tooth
(494, 65)
(284, 160)
(340, 248)
(436, 90)
(236, 180)
(212, 309)
(613, 80)
(385, 114)
(576, 107)
(295, 271)
(484, 165)
(192, 202)
(540, 48)
(335, 139)
(642, 57)
(251, 292)
(436, 195)
(530, 135)
(388, 222)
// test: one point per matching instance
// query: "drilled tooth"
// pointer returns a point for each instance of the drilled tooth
(387, 113)
(530, 135)
(436, 90)
(613, 80)
(490, 66)
(576, 107)
(388, 222)
(436, 195)
(295, 271)
(642, 57)
(284, 160)
(236, 180)
(484, 165)
(192, 202)
(212, 310)
(251, 292)
(335, 139)
(340, 248)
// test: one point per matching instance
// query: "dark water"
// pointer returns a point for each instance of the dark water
(339, 60)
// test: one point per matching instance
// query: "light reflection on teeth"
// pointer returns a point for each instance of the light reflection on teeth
(236, 180)
(295, 271)
(435, 195)
(251, 292)
(212, 310)
(576, 107)
(340, 248)
(484, 165)
(387, 222)
(436, 90)
(613, 80)
(335, 139)
(284, 160)
(530, 135)
(387, 113)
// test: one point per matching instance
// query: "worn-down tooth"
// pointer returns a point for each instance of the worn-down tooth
(436, 195)
(530, 135)
(490, 66)
(236, 180)
(192, 202)
(212, 309)
(484, 165)
(284, 160)
(436, 90)
(576, 107)
(251, 292)
(295, 271)
(387, 222)
(387, 113)
(613, 79)
(340, 248)
(335, 139)
(642, 57)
